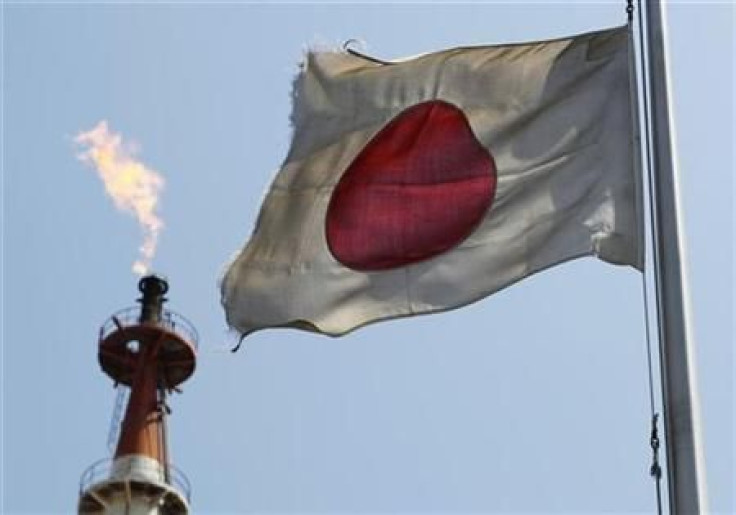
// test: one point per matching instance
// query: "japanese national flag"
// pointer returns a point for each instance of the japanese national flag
(426, 184)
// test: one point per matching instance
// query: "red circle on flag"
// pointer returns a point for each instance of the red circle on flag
(419, 187)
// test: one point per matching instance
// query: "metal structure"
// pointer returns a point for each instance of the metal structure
(152, 351)
(685, 467)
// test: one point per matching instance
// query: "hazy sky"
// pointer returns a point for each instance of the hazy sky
(532, 400)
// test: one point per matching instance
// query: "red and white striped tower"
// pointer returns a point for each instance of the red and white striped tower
(152, 351)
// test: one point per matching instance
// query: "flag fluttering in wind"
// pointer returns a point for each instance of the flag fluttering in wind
(425, 184)
(132, 185)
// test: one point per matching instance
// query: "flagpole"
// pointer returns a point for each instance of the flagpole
(685, 468)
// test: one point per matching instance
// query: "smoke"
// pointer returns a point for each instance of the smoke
(133, 187)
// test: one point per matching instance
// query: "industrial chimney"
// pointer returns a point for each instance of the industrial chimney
(151, 351)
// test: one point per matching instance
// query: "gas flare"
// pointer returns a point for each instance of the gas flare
(133, 186)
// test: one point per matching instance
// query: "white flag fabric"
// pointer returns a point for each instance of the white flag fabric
(425, 184)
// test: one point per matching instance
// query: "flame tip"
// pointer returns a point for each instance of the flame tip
(133, 187)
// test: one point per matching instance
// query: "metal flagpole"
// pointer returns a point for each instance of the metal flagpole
(685, 468)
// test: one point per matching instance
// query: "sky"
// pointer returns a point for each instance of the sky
(534, 400)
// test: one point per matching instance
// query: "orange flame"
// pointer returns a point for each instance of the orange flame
(134, 188)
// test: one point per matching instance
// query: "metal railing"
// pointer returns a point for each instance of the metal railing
(118, 411)
(102, 470)
(170, 320)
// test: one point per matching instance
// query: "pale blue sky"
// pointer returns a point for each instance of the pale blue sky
(533, 400)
